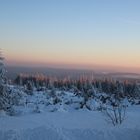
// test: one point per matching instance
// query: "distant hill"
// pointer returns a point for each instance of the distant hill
(13, 71)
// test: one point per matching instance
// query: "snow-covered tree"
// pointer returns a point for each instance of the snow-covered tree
(8, 97)
(4, 97)
(136, 91)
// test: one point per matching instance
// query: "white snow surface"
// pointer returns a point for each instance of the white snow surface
(75, 125)
(64, 122)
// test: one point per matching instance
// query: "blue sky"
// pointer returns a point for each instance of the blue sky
(82, 32)
(87, 18)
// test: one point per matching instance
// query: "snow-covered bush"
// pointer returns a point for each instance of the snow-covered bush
(36, 109)
(116, 111)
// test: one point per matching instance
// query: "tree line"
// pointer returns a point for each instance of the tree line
(108, 86)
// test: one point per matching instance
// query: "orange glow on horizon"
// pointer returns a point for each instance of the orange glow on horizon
(78, 56)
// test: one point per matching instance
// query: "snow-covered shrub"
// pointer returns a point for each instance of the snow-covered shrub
(116, 111)
(52, 93)
(86, 97)
(29, 88)
(14, 98)
(15, 95)
(37, 109)
(56, 100)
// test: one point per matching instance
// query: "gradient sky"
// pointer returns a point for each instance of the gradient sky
(71, 33)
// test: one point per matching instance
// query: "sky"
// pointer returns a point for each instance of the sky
(71, 33)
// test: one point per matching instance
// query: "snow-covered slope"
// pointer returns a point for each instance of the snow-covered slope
(49, 115)
(73, 125)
